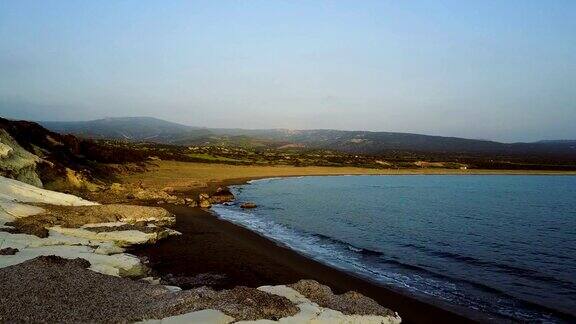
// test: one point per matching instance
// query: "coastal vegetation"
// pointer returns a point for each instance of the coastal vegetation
(383, 150)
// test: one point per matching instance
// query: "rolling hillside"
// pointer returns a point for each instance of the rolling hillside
(356, 142)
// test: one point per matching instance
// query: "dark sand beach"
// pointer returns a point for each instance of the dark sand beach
(211, 245)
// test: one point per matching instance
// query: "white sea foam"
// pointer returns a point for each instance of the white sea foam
(272, 179)
(352, 259)
(339, 255)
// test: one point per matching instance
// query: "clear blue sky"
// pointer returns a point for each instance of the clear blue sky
(501, 69)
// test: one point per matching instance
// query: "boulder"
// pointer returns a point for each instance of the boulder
(178, 201)
(190, 202)
(8, 251)
(204, 200)
(222, 195)
(248, 205)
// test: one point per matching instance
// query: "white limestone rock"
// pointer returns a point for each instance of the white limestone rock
(122, 264)
(206, 316)
(10, 210)
(120, 238)
(173, 288)
(312, 313)
(100, 249)
(17, 191)
(16, 162)
(108, 249)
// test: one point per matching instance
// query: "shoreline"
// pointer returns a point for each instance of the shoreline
(266, 262)
(212, 245)
(79, 271)
(211, 186)
(468, 314)
(194, 178)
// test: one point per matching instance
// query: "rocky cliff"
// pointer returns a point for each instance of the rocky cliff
(32, 154)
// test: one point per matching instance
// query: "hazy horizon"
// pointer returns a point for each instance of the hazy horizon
(484, 70)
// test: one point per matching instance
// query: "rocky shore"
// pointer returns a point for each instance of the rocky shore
(38, 222)
(71, 293)
(71, 255)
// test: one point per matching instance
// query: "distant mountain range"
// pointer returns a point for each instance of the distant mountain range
(359, 142)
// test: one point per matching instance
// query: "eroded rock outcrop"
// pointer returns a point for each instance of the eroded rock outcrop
(312, 312)
(65, 162)
(39, 222)
(16, 162)
(350, 303)
(119, 217)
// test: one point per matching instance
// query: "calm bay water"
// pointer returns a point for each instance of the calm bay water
(503, 246)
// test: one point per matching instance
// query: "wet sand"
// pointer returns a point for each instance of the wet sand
(209, 244)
